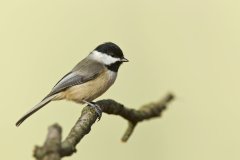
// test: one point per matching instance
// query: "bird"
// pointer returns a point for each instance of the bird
(88, 80)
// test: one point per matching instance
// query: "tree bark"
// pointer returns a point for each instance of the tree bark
(55, 149)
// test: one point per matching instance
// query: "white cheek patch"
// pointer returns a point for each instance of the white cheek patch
(103, 58)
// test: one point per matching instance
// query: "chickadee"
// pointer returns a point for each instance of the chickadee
(89, 79)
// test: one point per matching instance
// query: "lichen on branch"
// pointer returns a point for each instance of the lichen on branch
(54, 148)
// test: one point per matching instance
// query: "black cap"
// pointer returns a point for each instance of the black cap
(111, 49)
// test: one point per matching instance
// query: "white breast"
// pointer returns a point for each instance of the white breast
(112, 76)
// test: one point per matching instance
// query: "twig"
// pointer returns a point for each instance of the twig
(55, 149)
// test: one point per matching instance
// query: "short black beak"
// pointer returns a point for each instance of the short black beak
(124, 60)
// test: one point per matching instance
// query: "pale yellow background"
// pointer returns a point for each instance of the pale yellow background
(189, 47)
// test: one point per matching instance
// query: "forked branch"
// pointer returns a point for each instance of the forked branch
(55, 149)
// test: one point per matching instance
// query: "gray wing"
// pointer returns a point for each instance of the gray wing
(84, 71)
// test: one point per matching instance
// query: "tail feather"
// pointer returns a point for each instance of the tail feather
(35, 109)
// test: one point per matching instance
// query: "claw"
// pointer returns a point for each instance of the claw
(96, 108)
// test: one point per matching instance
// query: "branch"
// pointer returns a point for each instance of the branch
(55, 149)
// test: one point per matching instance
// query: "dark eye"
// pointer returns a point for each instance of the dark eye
(112, 54)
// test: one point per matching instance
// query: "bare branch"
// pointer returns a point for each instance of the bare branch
(54, 149)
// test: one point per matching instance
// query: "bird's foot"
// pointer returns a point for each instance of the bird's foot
(96, 108)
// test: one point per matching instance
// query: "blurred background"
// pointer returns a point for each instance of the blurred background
(188, 47)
